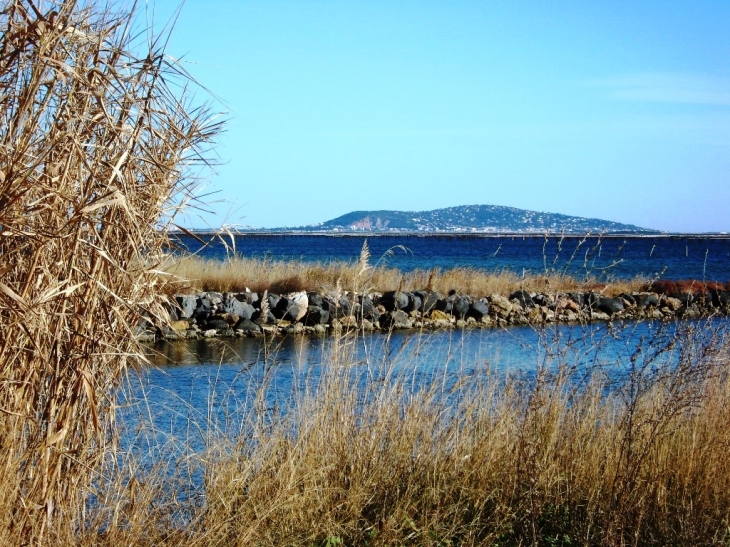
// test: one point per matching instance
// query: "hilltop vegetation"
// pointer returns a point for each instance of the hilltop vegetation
(470, 218)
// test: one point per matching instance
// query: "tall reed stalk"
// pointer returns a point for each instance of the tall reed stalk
(95, 144)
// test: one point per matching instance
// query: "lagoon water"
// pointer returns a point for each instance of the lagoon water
(200, 387)
(196, 387)
(605, 257)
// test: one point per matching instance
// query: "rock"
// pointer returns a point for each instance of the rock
(315, 299)
(298, 303)
(460, 307)
(438, 315)
(543, 300)
(337, 308)
(203, 308)
(628, 298)
(578, 298)
(209, 333)
(428, 300)
(294, 328)
(691, 312)
(394, 300)
(600, 316)
(367, 325)
(478, 310)
(349, 321)
(187, 305)
(216, 323)
(685, 298)
(499, 306)
(367, 309)
(534, 315)
(247, 326)
(270, 318)
(646, 300)
(610, 306)
(591, 300)
(461, 324)
(316, 316)
(446, 304)
(234, 306)
(414, 303)
(672, 303)
(523, 297)
(320, 329)
(397, 319)
(180, 325)
(215, 298)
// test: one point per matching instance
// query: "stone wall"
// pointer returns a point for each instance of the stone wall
(212, 314)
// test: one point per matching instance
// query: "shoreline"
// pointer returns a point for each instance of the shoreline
(212, 315)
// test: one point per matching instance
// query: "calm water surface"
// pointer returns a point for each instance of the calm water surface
(198, 385)
(668, 257)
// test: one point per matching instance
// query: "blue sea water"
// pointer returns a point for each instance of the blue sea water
(604, 257)
(200, 388)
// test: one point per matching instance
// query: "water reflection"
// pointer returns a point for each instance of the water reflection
(198, 388)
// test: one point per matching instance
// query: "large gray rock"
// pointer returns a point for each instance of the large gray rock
(646, 300)
(478, 310)
(428, 300)
(367, 308)
(203, 308)
(187, 305)
(460, 307)
(414, 302)
(316, 315)
(315, 299)
(339, 308)
(234, 306)
(247, 326)
(610, 306)
(218, 324)
(297, 306)
(394, 300)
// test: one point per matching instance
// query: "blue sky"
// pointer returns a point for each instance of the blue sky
(615, 110)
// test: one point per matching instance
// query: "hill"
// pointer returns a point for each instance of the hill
(469, 218)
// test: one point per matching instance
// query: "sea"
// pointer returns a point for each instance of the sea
(672, 257)
(189, 389)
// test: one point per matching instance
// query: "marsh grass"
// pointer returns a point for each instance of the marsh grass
(193, 273)
(97, 149)
(364, 454)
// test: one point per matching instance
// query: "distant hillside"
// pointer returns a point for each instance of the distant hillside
(469, 218)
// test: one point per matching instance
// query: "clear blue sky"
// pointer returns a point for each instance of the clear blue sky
(616, 110)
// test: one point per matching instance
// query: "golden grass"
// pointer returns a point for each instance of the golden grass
(495, 459)
(235, 274)
(94, 145)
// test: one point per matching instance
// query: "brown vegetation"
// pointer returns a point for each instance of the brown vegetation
(92, 143)
(197, 274)
(557, 459)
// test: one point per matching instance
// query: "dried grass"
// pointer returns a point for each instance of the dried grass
(95, 143)
(235, 274)
(362, 457)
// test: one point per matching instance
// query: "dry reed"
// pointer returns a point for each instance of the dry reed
(95, 143)
(236, 274)
(361, 457)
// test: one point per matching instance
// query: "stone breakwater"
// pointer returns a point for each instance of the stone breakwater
(215, 315)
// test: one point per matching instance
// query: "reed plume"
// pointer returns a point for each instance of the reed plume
(96, 147)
